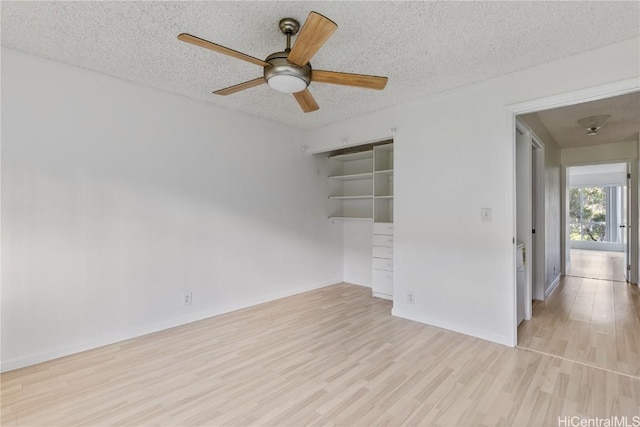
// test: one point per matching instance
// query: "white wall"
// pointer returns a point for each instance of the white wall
(118, 198)
(603, 153)
(453, 156)
(357, 252)
(553, 229)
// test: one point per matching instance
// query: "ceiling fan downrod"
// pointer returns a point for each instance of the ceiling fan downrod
(289, 27)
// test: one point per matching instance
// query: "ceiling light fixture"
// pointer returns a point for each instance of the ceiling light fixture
(281, 74)
(593, 123)
(284, 76)
(286, 83)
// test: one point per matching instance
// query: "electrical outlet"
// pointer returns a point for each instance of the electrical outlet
(410, 297)
(187, 298)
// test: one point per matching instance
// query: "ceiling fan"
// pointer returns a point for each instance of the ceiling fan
(290, 71)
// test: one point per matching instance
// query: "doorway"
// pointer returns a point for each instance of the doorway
(555, 242)
(598, 221)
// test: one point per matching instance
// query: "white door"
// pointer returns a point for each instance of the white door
(533, 251)
(523, 220)
(626, 229)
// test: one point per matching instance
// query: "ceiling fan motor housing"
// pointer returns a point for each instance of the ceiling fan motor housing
(280, 67)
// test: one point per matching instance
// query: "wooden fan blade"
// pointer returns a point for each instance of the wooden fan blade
(241, 86)
(347, 79)
(220, 49)
(314, 33)
(306, 101)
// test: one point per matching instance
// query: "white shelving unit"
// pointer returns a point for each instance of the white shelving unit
(351, 185)
(383, 183)
(382, 242)
(361, 184)
(361, 188)
(350, 197)
(353, 176)
(357, 155)
(382, 260)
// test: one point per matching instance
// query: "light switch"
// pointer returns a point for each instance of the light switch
(485, 214)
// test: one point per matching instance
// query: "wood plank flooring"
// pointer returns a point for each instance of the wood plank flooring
(592, 321)
(597, 265)
(334, 356)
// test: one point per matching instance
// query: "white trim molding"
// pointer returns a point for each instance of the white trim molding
(621, 87)
(552, 287)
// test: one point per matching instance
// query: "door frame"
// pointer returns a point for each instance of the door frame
(631, 212)
(539, 209)
(535, 243)
(633, 237)
(570, 98)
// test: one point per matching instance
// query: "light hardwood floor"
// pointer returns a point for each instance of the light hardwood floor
(592, 321)
(597, 265)
(333, 356)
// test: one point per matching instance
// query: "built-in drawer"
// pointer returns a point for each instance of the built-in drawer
(382, 282)
(383, 228)
(382, 252)
(382, 240)
(382, 264)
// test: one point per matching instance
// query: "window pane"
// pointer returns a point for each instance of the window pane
(587, 211)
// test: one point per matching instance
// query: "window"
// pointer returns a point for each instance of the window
(595, 213)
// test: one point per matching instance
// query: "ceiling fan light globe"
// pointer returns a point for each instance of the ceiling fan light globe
(287, 83)
(284, 76)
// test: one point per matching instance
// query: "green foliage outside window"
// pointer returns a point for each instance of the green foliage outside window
(587, 213)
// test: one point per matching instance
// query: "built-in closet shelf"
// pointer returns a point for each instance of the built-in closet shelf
(352, 177)
(351, 197)
(384, 172)
(350, 218)
(360, 155)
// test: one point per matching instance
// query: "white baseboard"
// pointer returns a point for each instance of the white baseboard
(383, 296)
(477, 333)
(21, 362)
(552, 287)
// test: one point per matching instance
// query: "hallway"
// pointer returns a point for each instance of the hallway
(591, 318)
(597, 265)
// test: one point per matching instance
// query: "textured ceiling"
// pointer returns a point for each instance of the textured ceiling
(624, 124)
(423, 47)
